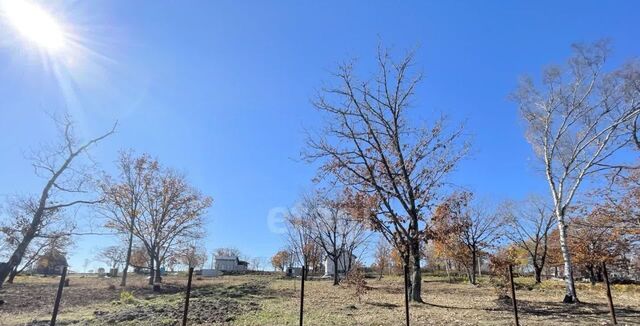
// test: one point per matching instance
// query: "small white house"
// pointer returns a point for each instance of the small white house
(230, 264)
(343, 264)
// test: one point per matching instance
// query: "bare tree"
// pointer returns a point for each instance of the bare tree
(300, 237)
(576, 121)
(122, 198)
(530, 223)
(465, 229)
(65, 180)
(172, 215)
(113, 256)
(227, 252)
(382, 256)
(192, 255)
(370, 147)
(337, 233)
(257, 263)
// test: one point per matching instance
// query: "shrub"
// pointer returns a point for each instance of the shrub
(127, 297)
(355, 279)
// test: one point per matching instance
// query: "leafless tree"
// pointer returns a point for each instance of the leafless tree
(382, 256)
(192, 255)
(113, 256)
(371, 148)
(481, 232)
(257, 263)
(530, 223)
(333, 230)
(299, 236)
(577, 121)
(172, 215)
(66, 179)
(227, 252)
(122, 198)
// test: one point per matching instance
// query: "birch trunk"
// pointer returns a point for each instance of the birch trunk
(570, 296)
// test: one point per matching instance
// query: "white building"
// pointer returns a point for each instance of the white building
(230, 264)
(343, 264)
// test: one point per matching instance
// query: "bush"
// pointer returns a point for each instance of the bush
(127, 297)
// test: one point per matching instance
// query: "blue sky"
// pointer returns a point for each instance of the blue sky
(221, 89)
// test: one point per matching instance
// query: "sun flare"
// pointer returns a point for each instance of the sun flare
(34, 23)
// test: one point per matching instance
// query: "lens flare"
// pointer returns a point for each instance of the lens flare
(34, 23)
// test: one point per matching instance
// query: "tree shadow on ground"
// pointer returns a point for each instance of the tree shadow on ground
(383, 305)
(583, 312)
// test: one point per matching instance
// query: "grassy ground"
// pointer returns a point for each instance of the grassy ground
(270, 300)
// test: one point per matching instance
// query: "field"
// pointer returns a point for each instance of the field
(272, 300)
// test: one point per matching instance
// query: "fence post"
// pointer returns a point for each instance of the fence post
(513, 296)
(606, 281)
(186, 298)
(56, 305)
(406, 293)
(304, 274)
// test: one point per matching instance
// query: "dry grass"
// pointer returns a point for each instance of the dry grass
(268, 300)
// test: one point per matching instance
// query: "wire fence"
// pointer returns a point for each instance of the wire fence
(64, 281)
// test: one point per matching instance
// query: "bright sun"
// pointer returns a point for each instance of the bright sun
(34, 23)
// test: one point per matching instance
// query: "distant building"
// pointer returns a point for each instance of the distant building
(230, 264)
(344, 264)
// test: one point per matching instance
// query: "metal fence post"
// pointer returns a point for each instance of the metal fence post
(56, 305)
(513, 296)
(186, 298)
(406, 293)
(606, 281)
(304, 274)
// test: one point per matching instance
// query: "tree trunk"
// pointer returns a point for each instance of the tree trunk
(416, 277)
(123, 282)
(474, 263)
(571, 295)
(151, 271)
(538, 273)
(447, 266)
(592, 275)
(158, 274)
(16, 257)
(12, 275)
(336, 279)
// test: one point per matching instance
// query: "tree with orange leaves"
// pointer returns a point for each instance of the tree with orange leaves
(461, 230)
(597, 239)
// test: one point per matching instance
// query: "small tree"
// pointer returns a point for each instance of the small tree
(382, 256)
(192, 255)
(530, 223)
(463, 230)
(113, 256)
(335, 232)
(300, 237)
(596, 239)
(280, 260)
(356, 279)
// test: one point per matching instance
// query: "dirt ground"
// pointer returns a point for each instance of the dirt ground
(272, 300)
